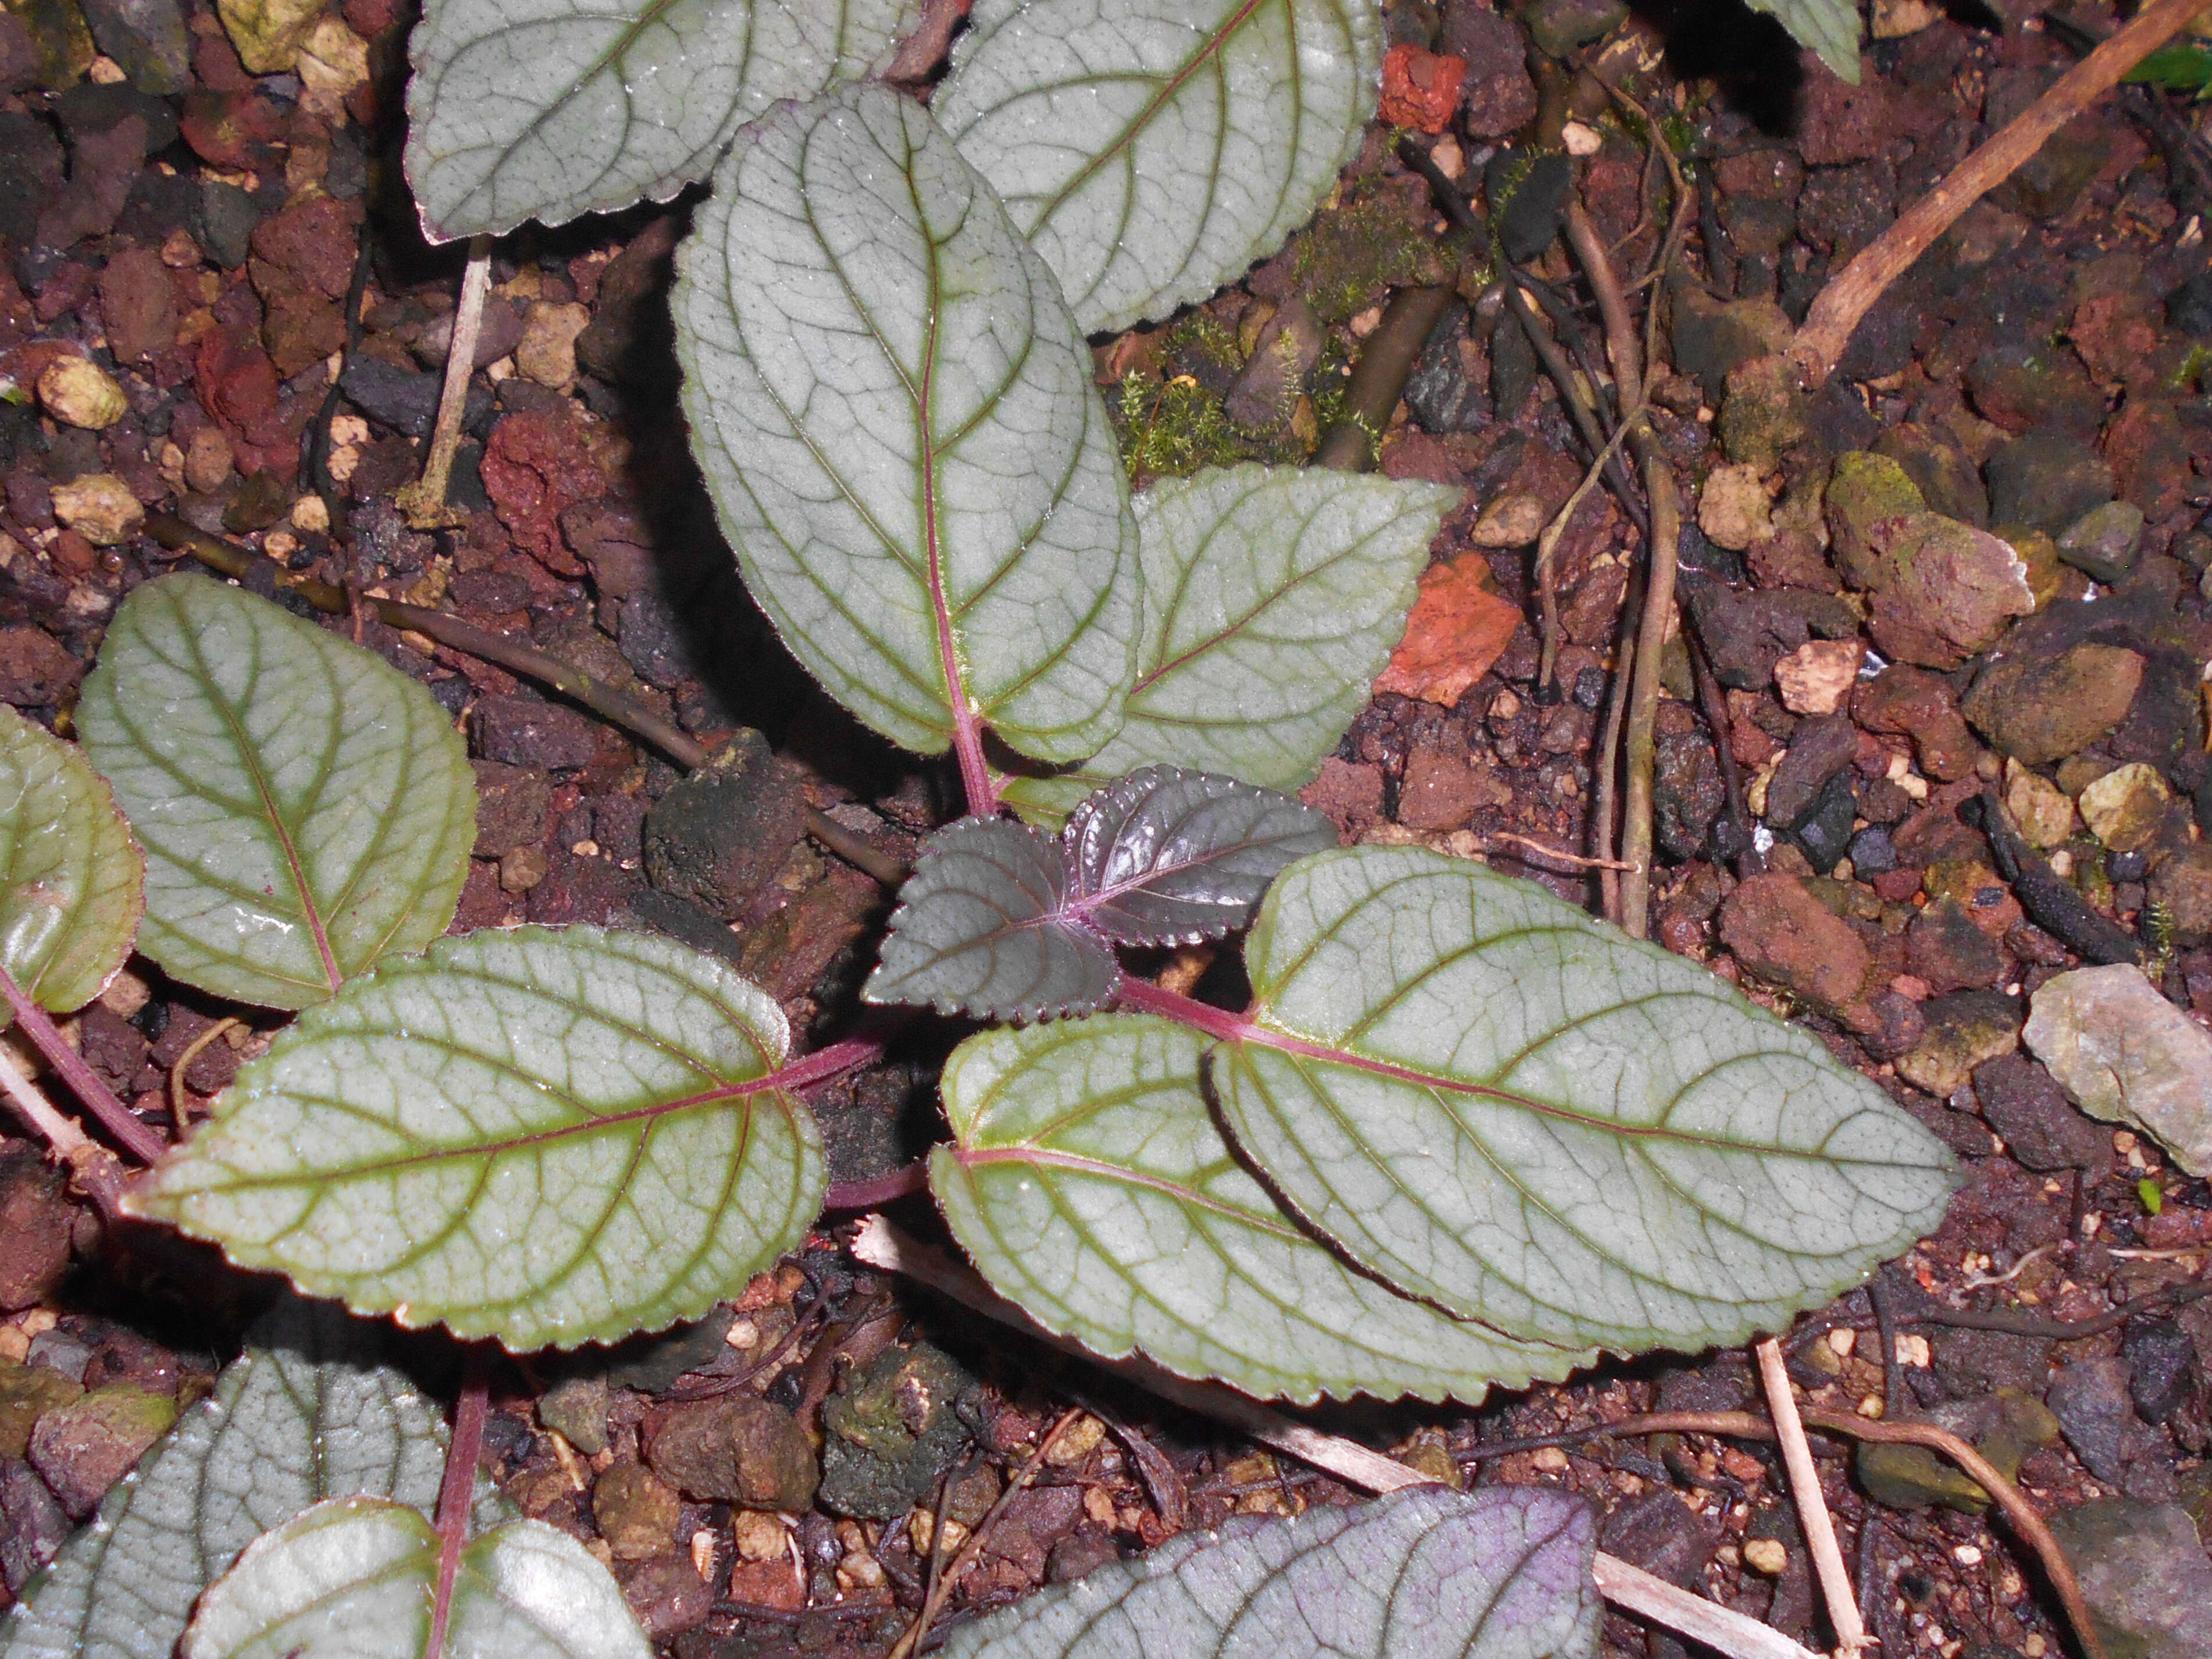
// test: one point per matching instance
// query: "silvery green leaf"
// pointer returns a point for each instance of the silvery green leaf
(1427, 1573)
(310, 1410)
(983, 929)
(1272, 598)
(71, 879)
(1154, 149)
(1168, 857)
(1509, 1109)
(895, 417)
(546, 109)
(1831, 27)
(304, 809)
(547, 1136)
(1089, 1183)
(355, 1578)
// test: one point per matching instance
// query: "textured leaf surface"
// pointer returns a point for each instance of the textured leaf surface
(1154, 149)
(1087, 1180)
(1273, 597)
(309, 1412)
(355, 1578)
(544, 1136)
(895, 415)
(1831, 27)
(1502, 1573)
(1166, 857)
(546, 109)
(981, 929)
(304, 808)
(1532, 1119)
(71, 879)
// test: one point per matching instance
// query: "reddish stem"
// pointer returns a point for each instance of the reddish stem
(98, 1099)
(867, 1194)
(1145, 997)
(821, 1065)
(458, 1491)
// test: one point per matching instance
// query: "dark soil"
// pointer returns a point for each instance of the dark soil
(1827, 847)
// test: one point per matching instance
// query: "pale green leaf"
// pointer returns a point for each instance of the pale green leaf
(1087, 1180)
(1502, 1573)
(310, 1410)
(1505, 1107)
(355, 1578)
(71, 879)
(548, 1136)
(1154, 149)
(895, 417)
(1272, 598)
(1830, 28)
(305, 808)
(546, 109)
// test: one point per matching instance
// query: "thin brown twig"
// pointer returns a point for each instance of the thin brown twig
(423, 502)
(1540, 854)
(1852, 291)
(1813, 1516)
(93, 1094)
(178, 1093)
(94, 1166)
(1547, 545)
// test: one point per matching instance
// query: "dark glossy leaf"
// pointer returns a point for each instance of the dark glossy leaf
(1167, 856)
(1503, 1573)
(983, 929)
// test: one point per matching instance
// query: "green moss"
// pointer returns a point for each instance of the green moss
(1376, 239)
(1168, 428)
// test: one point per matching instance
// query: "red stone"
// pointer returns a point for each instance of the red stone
(1420, 89)
(537, 464)
(222, 128)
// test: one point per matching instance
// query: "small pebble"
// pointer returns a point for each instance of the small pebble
(79, 392)
(1766, 1555)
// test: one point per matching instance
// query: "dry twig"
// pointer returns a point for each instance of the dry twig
(423, 502)
(1812, 1515)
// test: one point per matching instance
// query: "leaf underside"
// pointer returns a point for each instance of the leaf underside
(304, 809)
(1168, 857)
(547, 1136)
(1152, 150)
(895, 416)
(71, 879)
(1272, 598)
(547, 109)
(1534, 1121)
(1088, 1181)
(356, 1577)
(1831, 27)
(1502, 1573)
(980, 930)
(310, 1410)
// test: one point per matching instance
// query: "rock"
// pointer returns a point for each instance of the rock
(2162, 1360)
(1420, 89)
(524, 731)
(1528, 197)
(1687, 793)
(1818, 677)
(1968, 1363)
(2090, 1399)
(146, 39)
(1764, 412)
(1944, 947)
(2003, 1426)
(138, 306)
(2041, 710)
(82, 1449)
(267, 34)
(2125, 1053)
(511, 807)
(2020, 387)
(26, 1394)
(667, 1595)
(1865, 491)
(1449, 390)
(547, 351)
(500, 329)
(2181, 885)
(1963, 1031)
(80, 392)
(635, 1511)
(2144, 1574)
(1266, 391)
(1819, 750)
(1558, 27)
(2038, 807)
(1733, 507)
(1824, 834)
(32, 1526)
(1745, 634)
(35, 671)
(2046, 482)
(1780, 932)
(36, 1219)
(333, 61)
(1442, 787)
(739, 1450)
(1499, 98)
(1941, 469)
(1943, 591)
(575, 1408)
(2103, 542)
(227, 216)
(1911, 702)
(2124, 809)
(1712, 337)
(402, 399)
(622, 345)
(893, 1432)
(718, 837)
(2021, 1102)
(60, 40)
(1515, 519)
(100, 508)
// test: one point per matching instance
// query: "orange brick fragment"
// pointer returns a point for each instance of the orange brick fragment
(1420, 89)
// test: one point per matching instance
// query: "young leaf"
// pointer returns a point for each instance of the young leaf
(983, 929)
(547, 109)
(1168, 857)
(895, 417)
(71, 879)
(1089, 1183)
(304, 809)
(1154, 149)
(1506, 1107)
(310, 1410)
(1272, 598)
(1502, 1573)
(1831, 27)
(354, 1578)
(550, 1136)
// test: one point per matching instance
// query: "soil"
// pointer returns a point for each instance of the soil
(236, 255)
